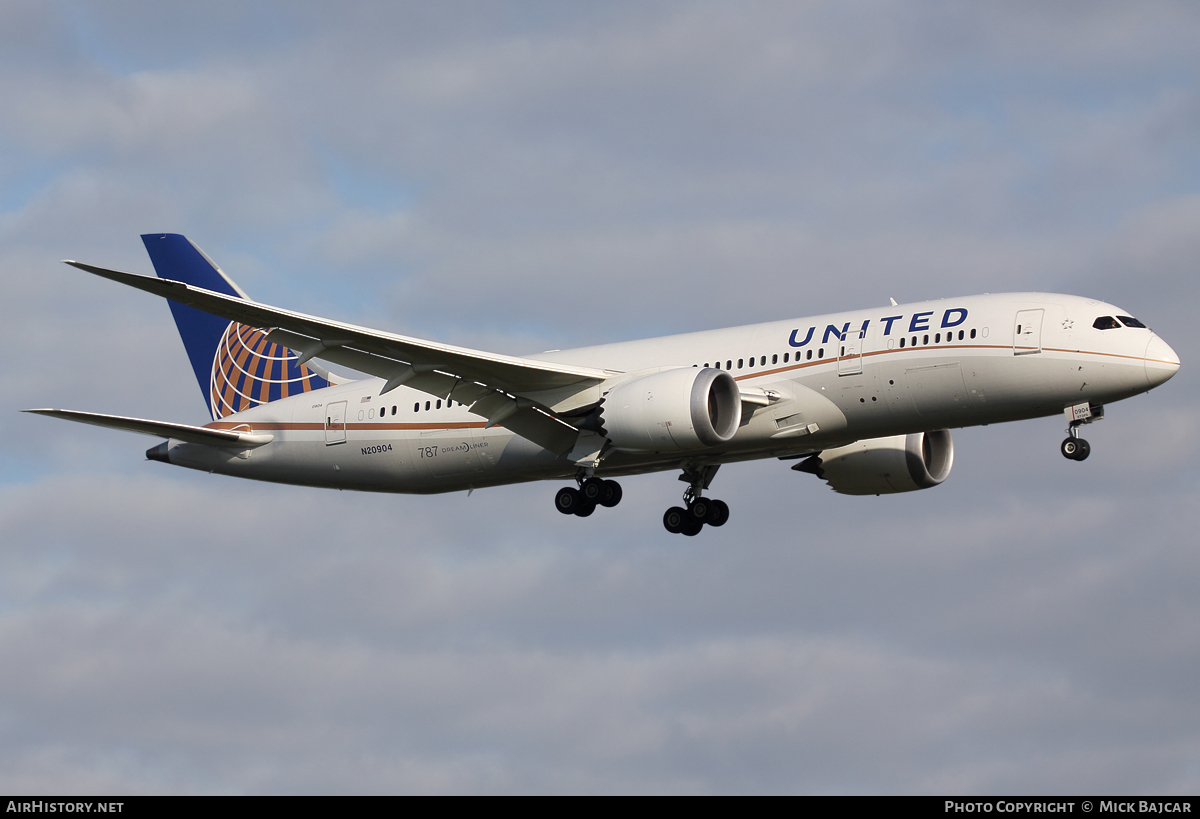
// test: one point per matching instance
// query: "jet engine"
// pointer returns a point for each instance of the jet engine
(879, 466)
(672, 410)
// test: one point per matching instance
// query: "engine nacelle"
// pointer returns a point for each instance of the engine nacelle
(672, 410)
(881, 466)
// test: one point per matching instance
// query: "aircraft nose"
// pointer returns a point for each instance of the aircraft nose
(1161, 361)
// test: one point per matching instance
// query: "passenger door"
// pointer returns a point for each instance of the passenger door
(850, 351)
(335, 423)
(1027, 333)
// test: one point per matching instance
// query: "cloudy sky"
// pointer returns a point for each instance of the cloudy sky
(520, 176)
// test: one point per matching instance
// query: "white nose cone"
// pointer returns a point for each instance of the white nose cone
(1161, 361)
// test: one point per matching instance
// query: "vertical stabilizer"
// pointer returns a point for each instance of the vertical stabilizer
(234, 364)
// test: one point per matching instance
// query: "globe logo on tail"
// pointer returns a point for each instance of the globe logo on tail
(248, 370)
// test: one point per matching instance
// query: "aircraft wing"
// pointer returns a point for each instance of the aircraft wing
(162, 429)
(506, 390)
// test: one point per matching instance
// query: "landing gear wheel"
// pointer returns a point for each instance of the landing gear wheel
(700, 509)
(718, 513)
(674, 519)
(692, 527)
(568, 500)
(611, 495)
(1076, 449)
(585, 509)
(592, 490)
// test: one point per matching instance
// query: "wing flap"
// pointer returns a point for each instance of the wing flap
(544, 430)
(163, 429)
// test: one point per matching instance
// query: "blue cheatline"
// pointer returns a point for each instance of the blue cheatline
(235, 365)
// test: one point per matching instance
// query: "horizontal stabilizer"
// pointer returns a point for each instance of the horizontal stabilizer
(180, 432)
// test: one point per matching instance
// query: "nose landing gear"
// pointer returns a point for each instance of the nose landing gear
(1074, 447)
(690, 519)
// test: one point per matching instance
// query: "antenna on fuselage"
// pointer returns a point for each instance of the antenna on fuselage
(893, 301)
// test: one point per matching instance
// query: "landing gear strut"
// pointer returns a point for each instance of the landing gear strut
(698, 510)
(592, 492)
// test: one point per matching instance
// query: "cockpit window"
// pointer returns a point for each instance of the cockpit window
(1130, 321)
(1106, 323)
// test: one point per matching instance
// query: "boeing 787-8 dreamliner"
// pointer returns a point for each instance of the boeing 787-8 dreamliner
(864, 399)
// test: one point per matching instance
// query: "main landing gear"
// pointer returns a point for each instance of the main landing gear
(592, 492)
(1074, 447)
(689, 520)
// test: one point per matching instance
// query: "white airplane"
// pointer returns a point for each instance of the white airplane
(864, 399)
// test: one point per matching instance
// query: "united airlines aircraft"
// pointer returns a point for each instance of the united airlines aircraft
(863, 400)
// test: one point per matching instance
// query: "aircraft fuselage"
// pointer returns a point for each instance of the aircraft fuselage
(831, 380)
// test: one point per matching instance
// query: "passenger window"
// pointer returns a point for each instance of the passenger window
(729, 363)
(925, 339)
(914, 341)
(751, 361)
(417, 407)
(1130, 321)
(1106, 323)
(972, 332)
(809, 356)
(763, 361)
(821, 353)
(706, 363)
(775, 359)
(427, 405)
(960, 335)
(785, 357)
(937, 338)
(901, 343)
(439, 404)
(740, 360)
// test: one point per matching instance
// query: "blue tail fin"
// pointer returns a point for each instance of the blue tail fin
(235, 365)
